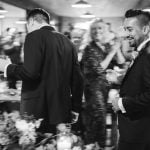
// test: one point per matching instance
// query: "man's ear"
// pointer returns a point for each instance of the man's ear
(146, 29)
(32, 21)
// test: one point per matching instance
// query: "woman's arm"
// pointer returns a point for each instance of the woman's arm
(115, 48)
(120, 58)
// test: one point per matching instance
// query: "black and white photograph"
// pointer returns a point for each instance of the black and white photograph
(74, 74)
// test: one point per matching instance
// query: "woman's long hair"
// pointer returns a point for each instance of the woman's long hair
(87, 39)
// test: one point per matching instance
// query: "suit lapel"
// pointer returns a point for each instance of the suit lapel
(130, 68)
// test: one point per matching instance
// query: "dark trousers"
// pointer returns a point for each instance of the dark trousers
(133, 146)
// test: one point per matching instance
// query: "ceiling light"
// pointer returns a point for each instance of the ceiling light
(81, 4)
(82, 25)
(52, 22)
(147, 10)
(2, 10)
(21, 22)
(87, 15)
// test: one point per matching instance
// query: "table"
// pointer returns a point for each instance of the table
(9, 98)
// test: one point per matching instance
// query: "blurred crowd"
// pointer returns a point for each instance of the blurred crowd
(11, 46)
(100, 51)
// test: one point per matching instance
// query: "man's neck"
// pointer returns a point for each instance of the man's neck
(144, 39)
(43, 24)
(142, 43)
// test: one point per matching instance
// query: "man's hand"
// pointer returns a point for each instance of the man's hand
(75, 116)
(115, 106)
(116, 75)
(113, 97)
(112, 76)
(112, 94)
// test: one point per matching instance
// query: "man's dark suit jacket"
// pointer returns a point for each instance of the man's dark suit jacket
(52, 81)
(134, 126)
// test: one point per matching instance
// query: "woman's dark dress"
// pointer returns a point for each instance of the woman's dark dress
(96, 91)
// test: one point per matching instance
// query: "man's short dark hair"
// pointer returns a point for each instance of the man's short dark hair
(39, 15)
(142, 16)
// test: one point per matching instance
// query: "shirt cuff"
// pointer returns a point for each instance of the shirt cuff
(121, 105)
(5, 70)
(75, 113)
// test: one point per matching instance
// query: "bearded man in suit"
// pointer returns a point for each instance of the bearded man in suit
(133, 102)
(52, 80)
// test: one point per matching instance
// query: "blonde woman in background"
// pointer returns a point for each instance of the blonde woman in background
(95, 60)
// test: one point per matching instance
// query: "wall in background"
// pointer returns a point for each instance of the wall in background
(67, 23)
(14, 14)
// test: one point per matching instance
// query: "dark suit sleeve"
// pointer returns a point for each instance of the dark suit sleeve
(76, 84)
(140, 104)
(30, 70)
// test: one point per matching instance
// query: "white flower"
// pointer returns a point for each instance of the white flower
(24, 140)
(4, 139)
(22, 125)
(38, 122)
(61, 127)
(89, 147)
(31, 126)
(14, 115)
(27, 138)
(76, 148)
(75, 138)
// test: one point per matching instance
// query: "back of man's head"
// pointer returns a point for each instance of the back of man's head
(39, 15)
(142, 16)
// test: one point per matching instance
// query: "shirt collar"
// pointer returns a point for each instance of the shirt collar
(142, 44)
(47, 27)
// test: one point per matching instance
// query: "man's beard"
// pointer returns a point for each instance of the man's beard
(132, 41)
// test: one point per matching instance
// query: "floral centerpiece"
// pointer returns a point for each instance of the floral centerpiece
(16, 129)
(19, 133)
(63, 140)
